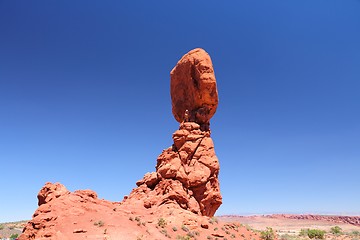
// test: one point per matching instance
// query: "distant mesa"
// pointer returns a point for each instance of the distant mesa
(184, 190)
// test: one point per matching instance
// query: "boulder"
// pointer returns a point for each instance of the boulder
(193, 88)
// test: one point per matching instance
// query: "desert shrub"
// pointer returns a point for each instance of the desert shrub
(161, 222)
(355, 233)
(316, 233)
(174, 229)
(303, 232)
(290, 237)
(2, 227)
(14, 236)
(184, 228)
(213, 220)
(163, 231)
(178, 237)
(99, 223)
(137, 219)
(268, 234)
(336, 230)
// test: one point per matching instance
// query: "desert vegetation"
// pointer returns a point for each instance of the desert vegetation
(268, 234)
(334, 233)
(11, 230)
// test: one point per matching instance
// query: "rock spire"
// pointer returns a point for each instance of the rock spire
(187, 172)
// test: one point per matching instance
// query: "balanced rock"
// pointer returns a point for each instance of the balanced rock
(183, 191)
(186, 174)
(193, 88)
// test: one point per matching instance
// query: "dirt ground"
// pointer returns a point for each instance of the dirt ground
(290, 228)
(286, 229)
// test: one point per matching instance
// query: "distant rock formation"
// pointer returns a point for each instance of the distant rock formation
(353, 220)
(187, 172)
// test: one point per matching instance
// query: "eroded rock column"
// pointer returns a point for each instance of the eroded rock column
(187, 172)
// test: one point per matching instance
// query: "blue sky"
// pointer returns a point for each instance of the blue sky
(85, 99)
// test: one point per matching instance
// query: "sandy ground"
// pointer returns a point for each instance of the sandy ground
(292, 226)
(282, 226)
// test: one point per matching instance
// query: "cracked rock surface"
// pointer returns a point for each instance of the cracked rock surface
(186, 174)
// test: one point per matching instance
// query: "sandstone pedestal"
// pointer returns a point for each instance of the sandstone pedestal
(186, 175)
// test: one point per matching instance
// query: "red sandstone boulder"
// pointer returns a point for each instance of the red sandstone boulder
(193, 88)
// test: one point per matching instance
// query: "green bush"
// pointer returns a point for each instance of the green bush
(336, 230)
(268, 234)
(14, 236)
(312, 233)
(316, 233)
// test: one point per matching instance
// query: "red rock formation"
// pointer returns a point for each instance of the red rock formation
(185, 181)
(186, 174)
(64, 215)
(193, 88)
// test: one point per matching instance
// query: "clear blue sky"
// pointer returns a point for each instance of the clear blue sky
(85, 100)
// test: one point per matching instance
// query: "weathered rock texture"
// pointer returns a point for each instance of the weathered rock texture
(193, 88)
(187, 172)
(186, 175)
(65, 215)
